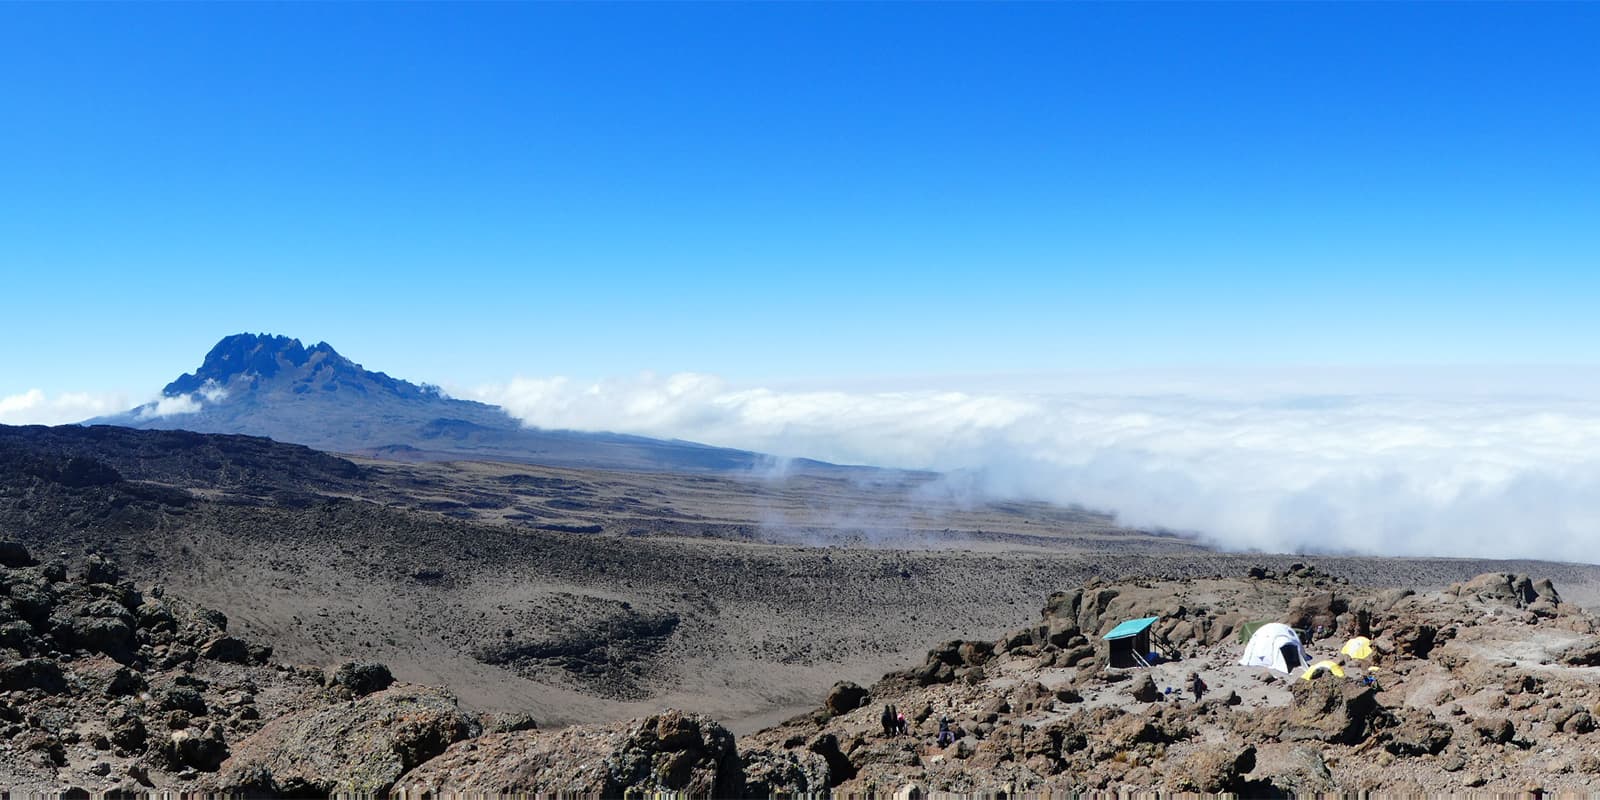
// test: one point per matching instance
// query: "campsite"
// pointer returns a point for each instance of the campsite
(1486, 685)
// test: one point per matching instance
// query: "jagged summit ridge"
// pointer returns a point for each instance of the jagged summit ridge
(248, 362)
(262, 355)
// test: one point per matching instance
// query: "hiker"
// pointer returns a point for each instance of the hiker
(900, 724)
(1197, 687)
(945, 736)
(888, 720)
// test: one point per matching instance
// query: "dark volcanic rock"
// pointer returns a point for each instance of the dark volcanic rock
(32, 673)
(14, 554)
(359, 679)
(844, 697)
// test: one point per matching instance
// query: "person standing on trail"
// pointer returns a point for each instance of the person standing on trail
(888, 720)
(945, 736)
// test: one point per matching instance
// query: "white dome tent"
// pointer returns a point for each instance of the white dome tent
(1275, 646)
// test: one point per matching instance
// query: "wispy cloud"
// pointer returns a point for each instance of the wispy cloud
(35, 407)
(1443, 473)
(170, 405)
(177, 404)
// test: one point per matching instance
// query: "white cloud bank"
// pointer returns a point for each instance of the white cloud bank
(1457, 474)
(35, 407)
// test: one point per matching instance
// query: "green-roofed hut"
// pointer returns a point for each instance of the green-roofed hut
(1129, 642)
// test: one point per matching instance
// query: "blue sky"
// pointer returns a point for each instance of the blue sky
(781, 192)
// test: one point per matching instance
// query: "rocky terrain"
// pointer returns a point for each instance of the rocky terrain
(694, 593)
(592, 602)
(1492, 684)
(1488, 684)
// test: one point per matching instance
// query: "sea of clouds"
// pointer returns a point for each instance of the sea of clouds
(1449, 467)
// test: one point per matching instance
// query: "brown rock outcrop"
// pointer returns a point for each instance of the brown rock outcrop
(362, 747)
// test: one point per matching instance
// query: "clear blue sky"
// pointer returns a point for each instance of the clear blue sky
(464, 193)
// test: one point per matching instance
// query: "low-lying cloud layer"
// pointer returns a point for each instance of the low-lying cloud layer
(1460, 474)
(35, 407)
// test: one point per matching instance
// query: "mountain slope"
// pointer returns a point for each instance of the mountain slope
(274, 386)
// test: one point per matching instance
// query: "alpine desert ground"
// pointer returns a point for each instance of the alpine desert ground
(550, 597)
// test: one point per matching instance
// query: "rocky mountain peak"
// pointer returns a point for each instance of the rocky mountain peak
(252, 359)
(253, 355)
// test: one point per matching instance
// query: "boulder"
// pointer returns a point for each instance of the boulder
(1303, 772)
(1144, 689)
(1073, 656)
(1216, 769)
(1497, 730)
(1330, 711)
(204, 751)
(99, 569)
(360, 747)
(1501, 588)
(184, 698)
(156, 616)
(671, 752)
(32, 673)
(1416, 733)
(510, 722)
(109, 635)
(844, 697)
(677, 752)
(531, 762)
(13, 554)
(360, 678)
(126, 730)
(1583, 654)
(227, 648)
(1319, 609)
(1579, 723)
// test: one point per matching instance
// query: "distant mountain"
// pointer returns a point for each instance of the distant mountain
(274, 386)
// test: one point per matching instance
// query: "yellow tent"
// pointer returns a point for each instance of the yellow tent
(1359, 648)
(1311, 671)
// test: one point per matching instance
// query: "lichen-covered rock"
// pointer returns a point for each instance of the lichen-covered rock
(363, 746)
(769, 773)
(667, 752)
(677, 752)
